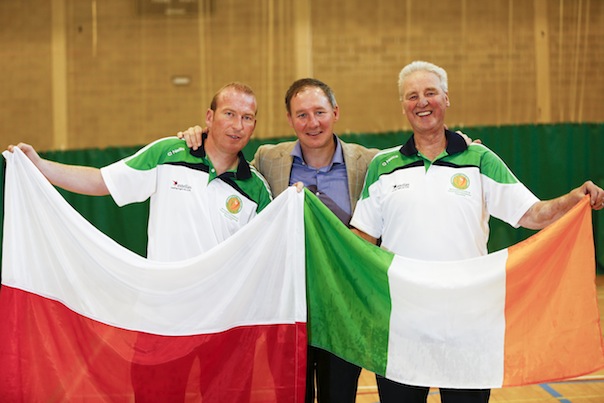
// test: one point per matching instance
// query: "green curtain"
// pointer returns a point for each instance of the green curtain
(549, 159)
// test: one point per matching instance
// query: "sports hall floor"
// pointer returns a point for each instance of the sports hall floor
(589, 388)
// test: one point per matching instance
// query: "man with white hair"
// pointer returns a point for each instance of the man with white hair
(432, 198)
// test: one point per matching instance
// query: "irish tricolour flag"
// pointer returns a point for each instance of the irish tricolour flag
(83, 319)
(523, 315)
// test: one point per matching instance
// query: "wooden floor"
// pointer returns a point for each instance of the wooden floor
(586, 389)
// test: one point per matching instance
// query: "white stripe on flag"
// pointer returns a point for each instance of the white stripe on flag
(54, 252)
(447, 325)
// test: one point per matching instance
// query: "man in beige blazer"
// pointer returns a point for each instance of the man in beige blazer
(274, 161)
(335, 171)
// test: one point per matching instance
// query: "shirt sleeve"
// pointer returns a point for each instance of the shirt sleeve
(129, 185)
(506, 197)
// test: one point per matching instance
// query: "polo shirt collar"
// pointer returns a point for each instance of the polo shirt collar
(243, 168)
(455, 144)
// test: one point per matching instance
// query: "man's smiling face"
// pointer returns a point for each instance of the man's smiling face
(313, 117)
(424, 101)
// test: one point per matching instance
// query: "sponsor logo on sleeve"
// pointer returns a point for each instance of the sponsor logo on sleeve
(389, 159)
(175, 151)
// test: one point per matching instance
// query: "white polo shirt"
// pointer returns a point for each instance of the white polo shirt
(439, 210)
(191, 208)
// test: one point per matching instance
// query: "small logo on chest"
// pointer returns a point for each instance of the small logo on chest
(233, 204)
(460, 181)
(460, 185)
(400, 186)
(180, 186)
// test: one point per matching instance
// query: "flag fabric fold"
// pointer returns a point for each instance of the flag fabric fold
(85, 319)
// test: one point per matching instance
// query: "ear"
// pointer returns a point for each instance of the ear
(336, 113)
(209, 118)
(289, 119)
(447, 98)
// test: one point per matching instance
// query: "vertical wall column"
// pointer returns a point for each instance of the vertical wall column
(59, 75)
(542, 63)
(303, 38)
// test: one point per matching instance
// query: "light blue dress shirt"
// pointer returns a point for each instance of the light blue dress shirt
(330, 180)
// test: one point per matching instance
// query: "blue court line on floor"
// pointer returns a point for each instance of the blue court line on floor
(545, 386)
(554, 393)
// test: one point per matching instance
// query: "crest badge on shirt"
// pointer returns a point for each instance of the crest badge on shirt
(233, 204)
(460, 184)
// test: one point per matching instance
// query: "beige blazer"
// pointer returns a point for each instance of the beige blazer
(275, 163)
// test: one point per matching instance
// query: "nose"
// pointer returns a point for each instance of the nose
(423, 101)
(238, 123)
(313, 121)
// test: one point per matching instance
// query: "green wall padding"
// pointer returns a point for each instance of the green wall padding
(549, 159)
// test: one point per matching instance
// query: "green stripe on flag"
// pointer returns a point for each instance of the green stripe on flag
(347, 290)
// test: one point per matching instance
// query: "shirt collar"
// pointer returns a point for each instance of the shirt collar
(243, 168)
(455, 144)
(338, 155)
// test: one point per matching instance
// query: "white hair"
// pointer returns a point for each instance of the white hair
(419, 65)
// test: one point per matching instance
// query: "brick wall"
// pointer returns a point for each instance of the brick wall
(121, 58)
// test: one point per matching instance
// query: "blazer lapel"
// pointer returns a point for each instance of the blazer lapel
(355, 182)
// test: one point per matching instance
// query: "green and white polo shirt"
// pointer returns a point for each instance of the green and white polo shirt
(439, 210)
(191, 208)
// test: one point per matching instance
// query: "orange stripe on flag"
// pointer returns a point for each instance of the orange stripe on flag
(552, 319)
